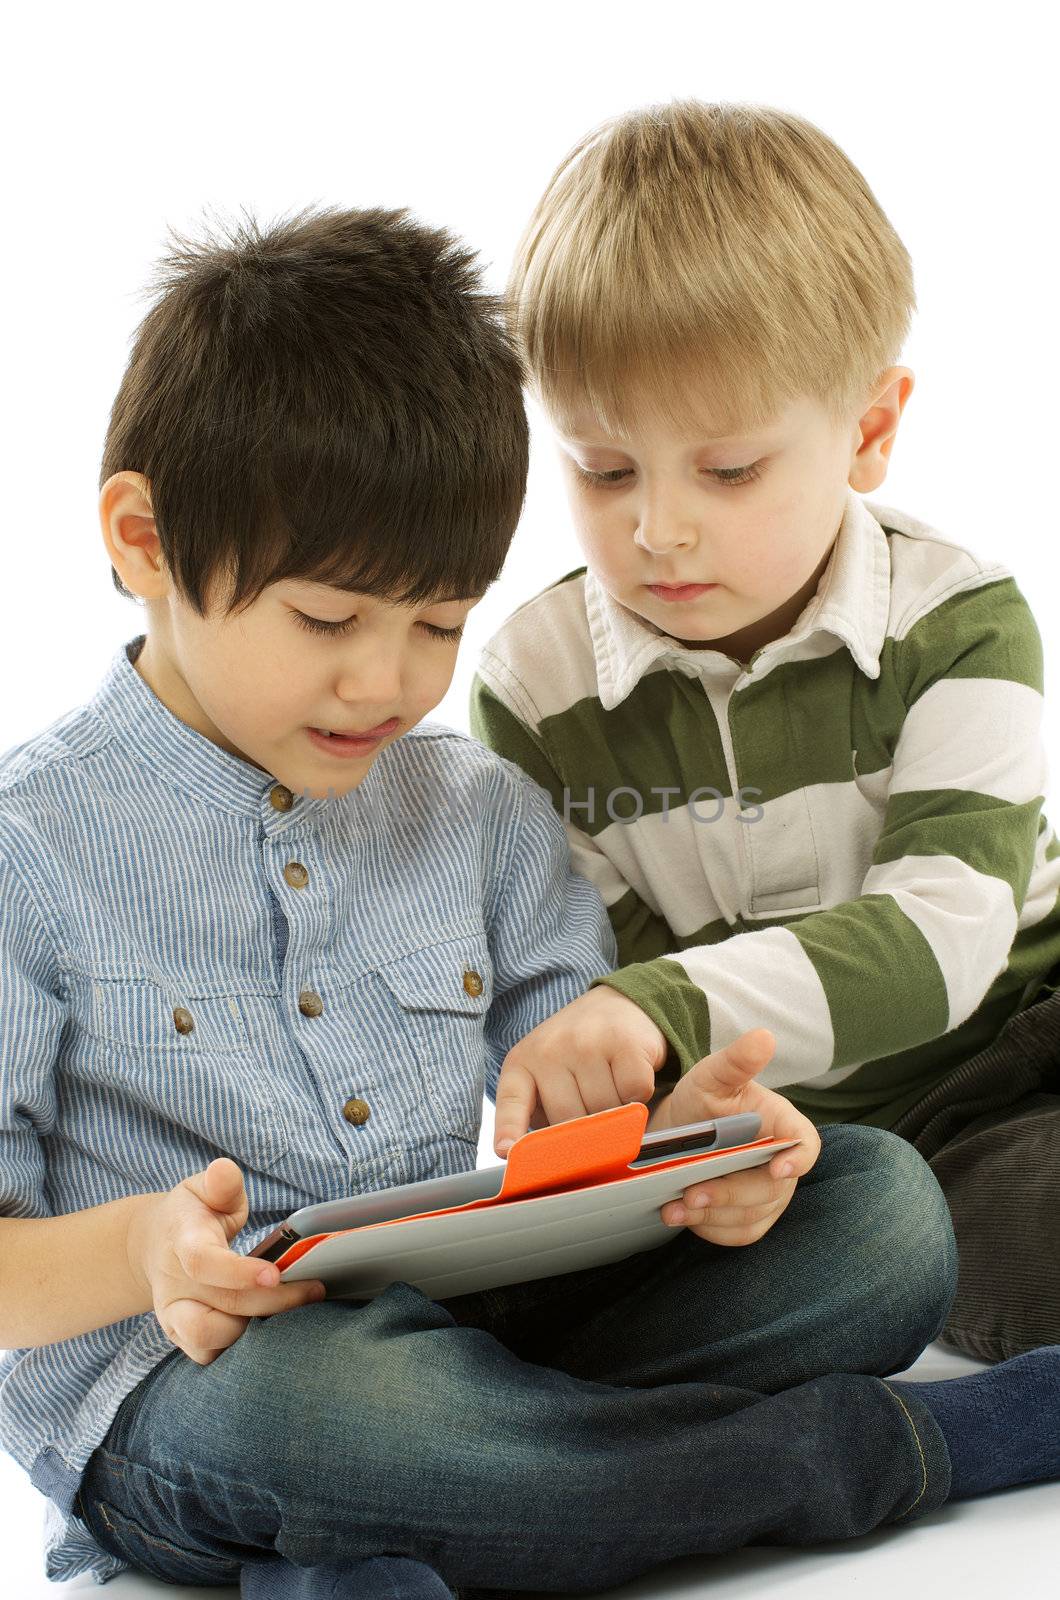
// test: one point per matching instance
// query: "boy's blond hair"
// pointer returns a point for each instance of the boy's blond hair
(726, 245)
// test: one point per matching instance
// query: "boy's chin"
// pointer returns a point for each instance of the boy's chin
(320, 783)
(679, 625)
(333, 786)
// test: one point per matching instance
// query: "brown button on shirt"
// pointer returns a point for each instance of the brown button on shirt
(356, 1111)
(310, 1003)
(183, 1019)
(281, 797)
(472, 982)
(296, 874)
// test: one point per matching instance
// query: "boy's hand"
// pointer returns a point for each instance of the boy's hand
(600, 1051)
(742, 1205)
(204, 1294)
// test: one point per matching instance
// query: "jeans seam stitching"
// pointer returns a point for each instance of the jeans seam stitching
(919, 1451)
(155, 1540)
(232, 1486)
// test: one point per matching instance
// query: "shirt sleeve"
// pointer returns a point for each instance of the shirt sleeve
(913, 955)
(548, 931)
(32, 1014)
(634, 925)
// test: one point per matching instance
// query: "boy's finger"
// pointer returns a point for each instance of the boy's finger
(263, 1302)
(222, 1183)
(726, 1217)
(725, 1072)
(793, 1163)
(290, 1295)
(563, 1098)
(220, 1186)
(200, 1330)
(516, 1098)
(754, 1187)
(788, 1123)
(204, 1260)
(632, 1077)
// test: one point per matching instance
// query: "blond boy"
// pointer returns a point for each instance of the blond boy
(793, 734)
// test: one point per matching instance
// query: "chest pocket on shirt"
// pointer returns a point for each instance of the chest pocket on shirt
(441, 995)
(187, 1061)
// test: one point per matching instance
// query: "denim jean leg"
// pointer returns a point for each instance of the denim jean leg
(124, 1504)
(857, 1275)
(338, 1432)
(377, 1578)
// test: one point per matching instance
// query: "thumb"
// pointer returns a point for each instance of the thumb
(726, 1072)
(222, 1189)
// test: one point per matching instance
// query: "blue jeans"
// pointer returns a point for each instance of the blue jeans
(564, 1434)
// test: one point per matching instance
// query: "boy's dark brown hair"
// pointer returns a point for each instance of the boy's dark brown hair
(333, 398)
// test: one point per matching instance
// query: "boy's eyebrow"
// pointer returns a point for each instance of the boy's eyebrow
(434, 600)
(750, 437)
(446, 600)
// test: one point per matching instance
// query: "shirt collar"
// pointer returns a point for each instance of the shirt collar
(852, 604)
(157, 738)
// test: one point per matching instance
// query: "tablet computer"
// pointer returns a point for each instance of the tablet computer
(441, 1194)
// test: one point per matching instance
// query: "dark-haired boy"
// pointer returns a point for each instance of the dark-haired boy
(250, 911)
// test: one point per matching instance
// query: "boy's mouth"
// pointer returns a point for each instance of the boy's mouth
(680, 591)
(361, 733)
(354, 743)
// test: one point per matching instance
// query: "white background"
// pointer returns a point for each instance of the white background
(118, 120)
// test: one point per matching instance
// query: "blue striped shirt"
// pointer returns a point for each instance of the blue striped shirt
(170, 917)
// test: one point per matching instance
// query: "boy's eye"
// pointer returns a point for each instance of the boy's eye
(736, 474)
(442, 633)
(333, 629)
(614, 476)
(318, 625)
(729, 475)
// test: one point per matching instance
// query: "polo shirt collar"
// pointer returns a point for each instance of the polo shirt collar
(852, 604)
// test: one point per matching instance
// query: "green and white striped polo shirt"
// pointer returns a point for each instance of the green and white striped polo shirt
(842, 840)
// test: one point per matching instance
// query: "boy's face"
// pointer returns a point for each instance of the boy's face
(262, 684)
(722, 542)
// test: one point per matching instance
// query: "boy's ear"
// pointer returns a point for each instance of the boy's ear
(877, 427)
(129, 533)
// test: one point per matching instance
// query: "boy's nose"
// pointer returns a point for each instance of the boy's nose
(666, 517)
(658, 533)
(373, 680)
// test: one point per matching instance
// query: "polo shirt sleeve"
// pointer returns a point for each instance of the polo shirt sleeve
(547, 927)
(638, 930)
(32, 1014)
(914, 954)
